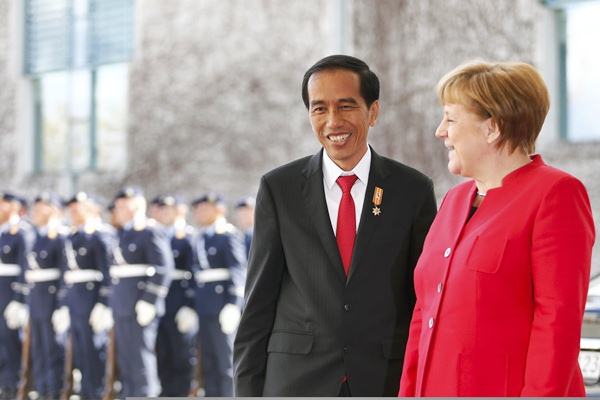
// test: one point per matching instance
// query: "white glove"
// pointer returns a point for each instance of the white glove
(61, 320)
(145, 312)
(16, 314)
(186, 320)
(101, 318)
(229, 318)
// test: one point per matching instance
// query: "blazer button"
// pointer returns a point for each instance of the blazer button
(447, 252)
(431, 321)
(439, 287)
(347, 307)
(346, 349)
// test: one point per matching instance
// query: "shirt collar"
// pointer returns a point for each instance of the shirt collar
(331, 171)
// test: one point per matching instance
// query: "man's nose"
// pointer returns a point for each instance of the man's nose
(333, 119)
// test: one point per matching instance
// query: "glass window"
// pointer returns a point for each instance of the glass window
(582, 70)
(111, 116)
(579, 67)
(76, 52)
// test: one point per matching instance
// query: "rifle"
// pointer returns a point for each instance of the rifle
(111, 367)
(198, 375)
(67, 389)
(25, 374)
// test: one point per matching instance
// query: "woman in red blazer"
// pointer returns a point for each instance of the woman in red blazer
(502, 281)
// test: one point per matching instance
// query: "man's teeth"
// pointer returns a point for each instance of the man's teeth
(338, 138)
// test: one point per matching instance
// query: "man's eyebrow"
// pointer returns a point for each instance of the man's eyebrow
(348, 100)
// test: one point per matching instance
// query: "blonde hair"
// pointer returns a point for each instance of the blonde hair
(513, 94)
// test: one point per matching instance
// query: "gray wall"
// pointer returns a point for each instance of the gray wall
(215, 87)
(215, 91)
(8, 134)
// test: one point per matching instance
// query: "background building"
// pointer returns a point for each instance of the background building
(191, 95)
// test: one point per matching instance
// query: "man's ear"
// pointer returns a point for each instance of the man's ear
(373, 113)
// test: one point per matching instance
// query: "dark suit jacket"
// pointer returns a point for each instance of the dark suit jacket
(305, 326)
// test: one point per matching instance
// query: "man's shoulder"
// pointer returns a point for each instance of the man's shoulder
(404, 172)
(292, 168)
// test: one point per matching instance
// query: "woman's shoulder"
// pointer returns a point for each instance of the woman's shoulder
(549, 179)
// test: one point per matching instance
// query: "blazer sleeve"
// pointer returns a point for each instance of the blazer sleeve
(265, 271)
(562, 240)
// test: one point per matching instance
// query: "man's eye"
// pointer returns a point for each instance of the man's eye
(318, 109)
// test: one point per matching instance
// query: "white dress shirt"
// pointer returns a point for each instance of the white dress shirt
(333, 193)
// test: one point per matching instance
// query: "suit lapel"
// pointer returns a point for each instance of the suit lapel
(316, 208)
(368, 221)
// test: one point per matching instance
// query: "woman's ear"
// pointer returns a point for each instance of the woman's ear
(492, 130)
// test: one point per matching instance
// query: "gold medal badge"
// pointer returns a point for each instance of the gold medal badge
(377, 199)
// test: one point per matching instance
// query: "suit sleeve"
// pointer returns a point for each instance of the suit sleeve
(62, 262)
(563, 236)
(236, 263)
(102, 261)
(411, 355)
(159, 255)
(189, 257)
(25, 240)
(420, 228)
(265, 272)
(408, 382)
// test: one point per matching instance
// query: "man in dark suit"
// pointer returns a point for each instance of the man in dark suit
(329, 293)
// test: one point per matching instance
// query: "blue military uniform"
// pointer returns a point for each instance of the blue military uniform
(173, 348)
(247, 202)
(15, 243)
(87, 283)
(47, 262)
(220, 277)
(141, 271)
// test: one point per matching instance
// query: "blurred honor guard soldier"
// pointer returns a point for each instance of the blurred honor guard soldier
(244, 213)
(140, 282)
(220, 279)
(47, 263)
(179, 325)
(15, 242)
(87, 283)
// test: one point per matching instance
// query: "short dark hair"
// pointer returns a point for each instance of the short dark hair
(369, 83)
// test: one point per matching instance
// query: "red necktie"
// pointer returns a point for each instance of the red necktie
(346, 221)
